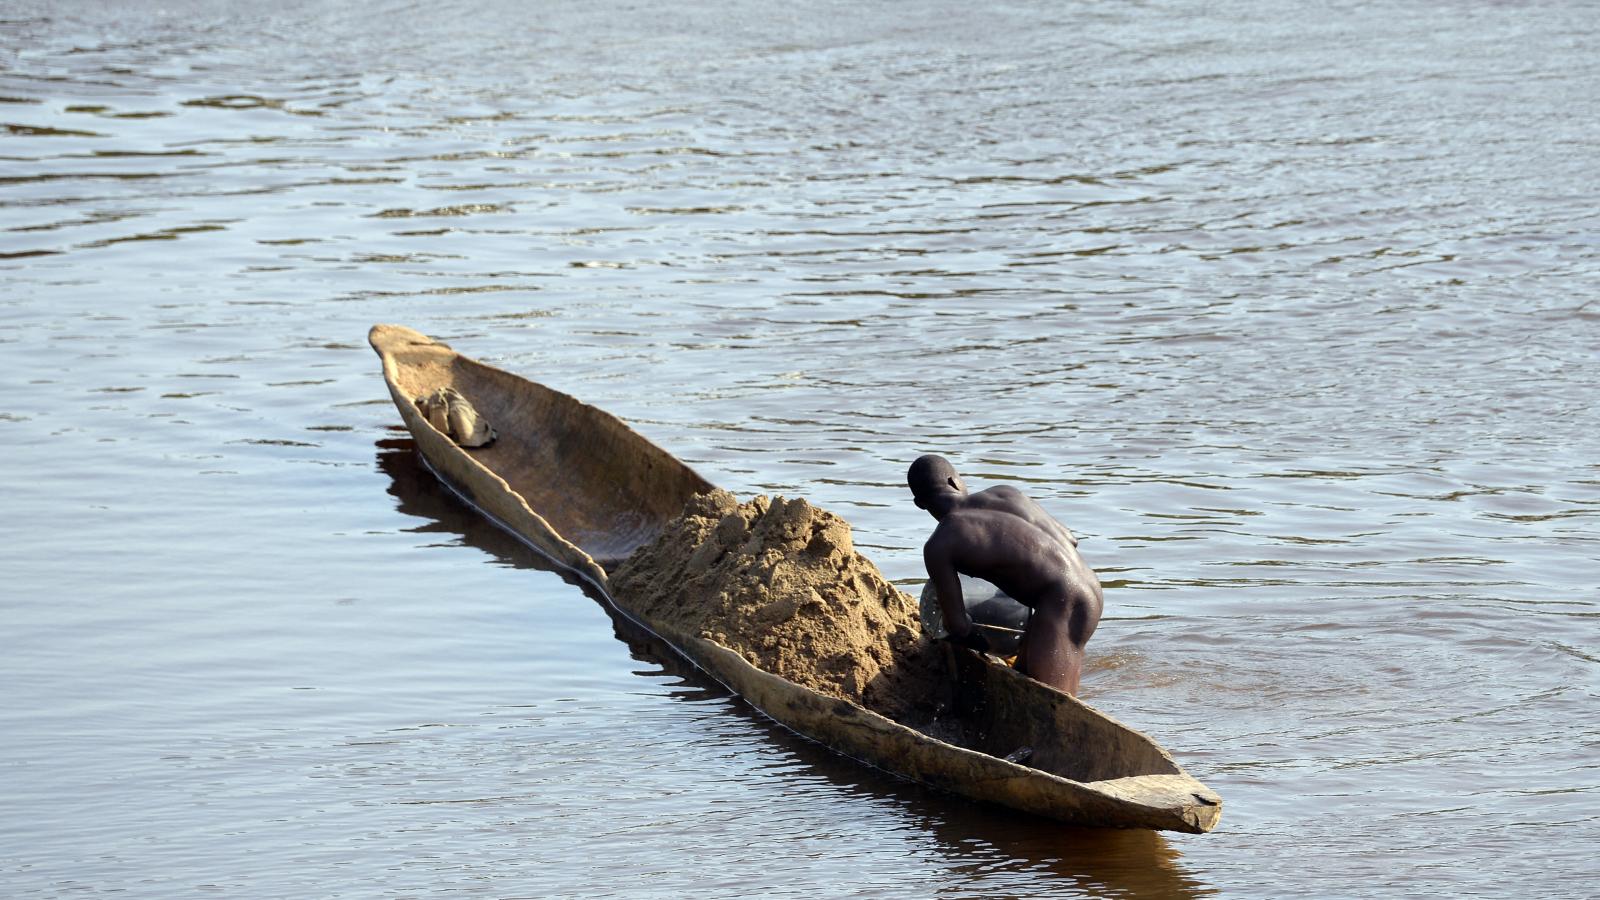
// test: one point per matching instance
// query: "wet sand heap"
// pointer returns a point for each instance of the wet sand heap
(780, 583)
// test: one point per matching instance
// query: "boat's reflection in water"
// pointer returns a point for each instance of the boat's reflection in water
(1099, 861)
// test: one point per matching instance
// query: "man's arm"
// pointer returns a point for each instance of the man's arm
(947, 587)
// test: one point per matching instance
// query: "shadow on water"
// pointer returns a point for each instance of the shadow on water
(976, 839)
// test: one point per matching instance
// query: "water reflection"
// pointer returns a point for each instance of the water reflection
(973, 839)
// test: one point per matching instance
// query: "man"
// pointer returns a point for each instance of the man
(1008, 540)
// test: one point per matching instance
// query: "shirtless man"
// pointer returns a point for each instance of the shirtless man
(1006, 539)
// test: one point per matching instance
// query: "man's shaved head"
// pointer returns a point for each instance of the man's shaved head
(931, 475)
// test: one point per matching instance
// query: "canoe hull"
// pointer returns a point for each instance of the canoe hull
(1121, 778)
(551, 449)
(1167, 802)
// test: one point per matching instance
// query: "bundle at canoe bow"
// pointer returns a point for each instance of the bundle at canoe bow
(582, 488)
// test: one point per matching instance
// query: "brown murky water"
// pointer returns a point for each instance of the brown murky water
(1290, 311)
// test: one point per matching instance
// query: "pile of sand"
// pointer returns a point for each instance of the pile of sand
(780, 582)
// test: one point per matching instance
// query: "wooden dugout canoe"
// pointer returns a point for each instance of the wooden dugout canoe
(579, 486)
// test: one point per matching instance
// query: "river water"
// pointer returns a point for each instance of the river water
(1289, 310)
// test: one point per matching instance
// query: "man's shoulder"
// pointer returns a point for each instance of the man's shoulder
(975, 519)
(1005, 506)
(961, 520)
(1003, 497)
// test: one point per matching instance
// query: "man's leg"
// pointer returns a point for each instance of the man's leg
(1048, 653)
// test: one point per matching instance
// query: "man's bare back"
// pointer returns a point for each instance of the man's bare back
(1008, 540)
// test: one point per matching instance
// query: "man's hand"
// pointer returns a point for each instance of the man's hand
(972, 640)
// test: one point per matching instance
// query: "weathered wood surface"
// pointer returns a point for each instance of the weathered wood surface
(572, 479)
(581, 487)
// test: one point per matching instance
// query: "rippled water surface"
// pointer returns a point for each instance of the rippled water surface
(1291, 311)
